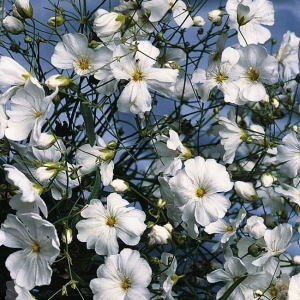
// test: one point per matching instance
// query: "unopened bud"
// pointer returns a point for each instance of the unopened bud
(161, 203)
(215, 16)
(13, 25)
(67, 236)
(24, 8)
(198, 21)
(267, 179)
(245, 190)
(119, 186)
(56, 21)
(112, 145)
(93, 44)
(58, 80)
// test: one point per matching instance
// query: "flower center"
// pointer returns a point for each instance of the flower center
(36, 248)
(138, 75)
(171, 4)
(84, 63)
(38, 114)
(200, 192)
(111, 221)
(273, 292)
(253, 74)
(221, 77)
(126, 284)
(229, 228)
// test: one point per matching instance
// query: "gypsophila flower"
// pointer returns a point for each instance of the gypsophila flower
(103, 226)
(246, 17)
(15, 292)
(39, 244)
(123, 276)
(196, 192)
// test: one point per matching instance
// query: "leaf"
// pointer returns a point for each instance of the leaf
(89, 123)
(95, 191)
(232, 288)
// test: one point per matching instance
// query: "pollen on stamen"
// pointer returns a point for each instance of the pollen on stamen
(36, 248)
(138, 75)
(84, 63)
(111, 221)
(38, 114)
(253, 74)
(200, 192)
(126, 284)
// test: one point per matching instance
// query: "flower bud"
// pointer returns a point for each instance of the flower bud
(67, 236)
(46, 140)
(93, 44)
(112, 145)
(161, 203)
(172, 65)
(215, 16)
(42, 174)
(107, 23)
(24, 8)
(254, 250)
(57, 80)
(13, 25)
(255, 226)
(106, 154)
(158, 235)
(119, 186)
(296, 260)
(245, 190)
(266, 179)
(38, 187)
(169, 227)
(56, 21)
(198, 21)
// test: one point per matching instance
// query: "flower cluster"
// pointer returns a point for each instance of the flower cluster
(148, 151)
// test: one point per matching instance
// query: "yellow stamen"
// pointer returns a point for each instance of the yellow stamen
(221, 77)
(253, 74)
(126, 284)
(200, 192)
(229, 228)
(138, 75)
(111, 221)
(84, 63)
(38, 114)
(36, 248)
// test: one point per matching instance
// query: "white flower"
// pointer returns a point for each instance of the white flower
(171, 152)
(107, 23)
(219, 76)
(254, 69)
(277, 241)
(15, 292)
(159, 235)
(215, 16)
(196, 192)
(88, 158)
(227, 229)
(270, 198)
(27, 200)
(159, 9)
(267, 179)
(12, 73)
(234, 269)
(168, 277)
(246, 17)
(138, 69)
(198, 21)
(119, 186)
(57, 81)
(24, 8)
(289, 155)
(45, 141)
(245, 190)
(291, 192)
(73, 52)
(256, 227)
(287, 56)
(294, 288)
(13, 25)
(123, 276)
(39, 244)
(29, 110)
(103, 225)
(232, 136)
